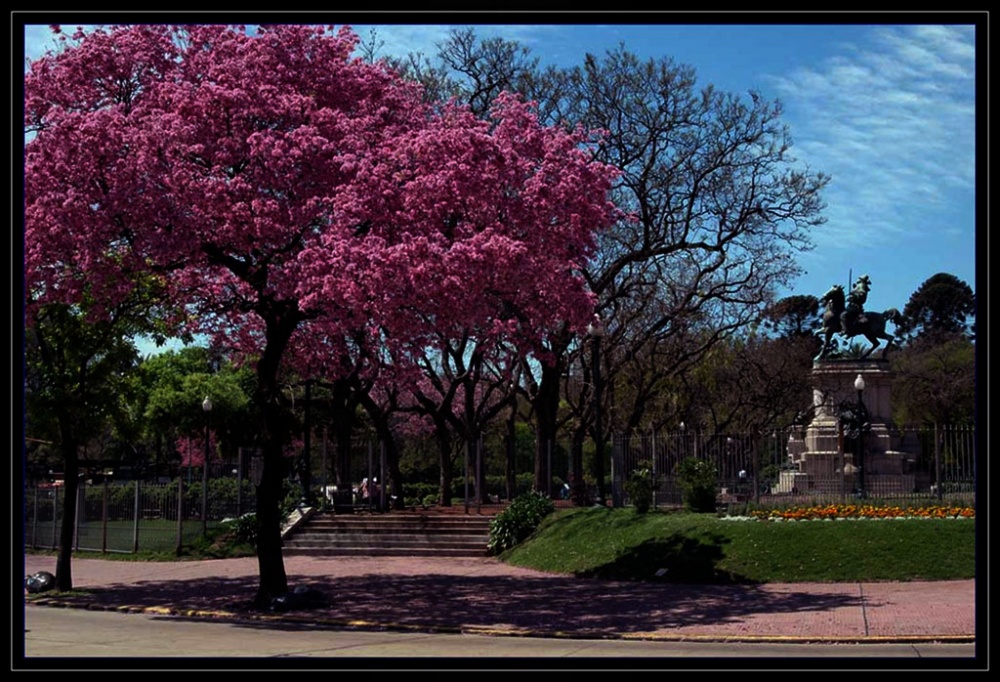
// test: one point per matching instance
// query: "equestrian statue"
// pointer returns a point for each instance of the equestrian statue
(850, 319)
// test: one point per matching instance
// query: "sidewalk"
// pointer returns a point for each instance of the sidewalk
(485, 596)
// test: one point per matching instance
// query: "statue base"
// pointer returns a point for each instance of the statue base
(828, 462)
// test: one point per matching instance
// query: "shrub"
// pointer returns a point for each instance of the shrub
(421, 491)
(523, 483)
(293, 493)
(244, 528)
(697, 482)
(518, 521)
(639, 487)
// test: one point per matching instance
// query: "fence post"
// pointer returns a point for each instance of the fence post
(381, 488)
(467, 446)
(652, 446)
(80, 493)
(323, 450)
(937, 462)
(239, 479)
(204, 489)
(967, 442)
(55, 513)
(180, 514)
(479, 475)
(371, 475)
(755, 463)
(34, 520)
(843, 472)
(104, 515)
(135, 520)
(616, 466)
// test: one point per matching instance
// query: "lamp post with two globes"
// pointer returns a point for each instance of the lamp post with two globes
(862, 418)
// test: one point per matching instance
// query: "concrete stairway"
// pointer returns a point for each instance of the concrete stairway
(390, 534)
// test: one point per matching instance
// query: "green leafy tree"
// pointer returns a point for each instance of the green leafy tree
(172, 386)
(943, 305)
(76, 368)
(794, 316)
(934, 381)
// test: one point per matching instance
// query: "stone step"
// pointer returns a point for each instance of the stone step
(362, 542)
(389, 534)
(333, 527)
(310, 536)
(367, 550)
(401, 519)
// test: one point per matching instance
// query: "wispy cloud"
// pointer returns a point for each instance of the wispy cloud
(892, 121)
(402, 39)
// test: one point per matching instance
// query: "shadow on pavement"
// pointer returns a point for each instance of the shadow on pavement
(549, 604)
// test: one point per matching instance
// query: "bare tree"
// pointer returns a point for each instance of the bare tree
(718, 211)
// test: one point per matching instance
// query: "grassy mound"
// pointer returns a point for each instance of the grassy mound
(703, 548)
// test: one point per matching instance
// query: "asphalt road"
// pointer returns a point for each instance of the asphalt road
(54, 638)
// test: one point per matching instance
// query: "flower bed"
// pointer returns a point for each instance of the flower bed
(841, 512)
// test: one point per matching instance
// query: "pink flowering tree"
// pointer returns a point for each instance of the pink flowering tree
(293, 198)
(192, 450)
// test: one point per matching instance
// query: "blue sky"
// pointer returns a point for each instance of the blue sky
(887, 110)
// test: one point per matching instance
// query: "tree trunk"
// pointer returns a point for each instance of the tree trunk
(444, 460)
(578, 487)
(546, 405)
(511, 464)
(380, 420)
(395, 488)
(273, 580)
(71, 478)
(344, 416)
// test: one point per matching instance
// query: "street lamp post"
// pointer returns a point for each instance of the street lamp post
(859, 386)
(206, 405)
(596, 331)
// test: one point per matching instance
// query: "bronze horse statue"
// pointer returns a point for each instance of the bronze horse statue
(868, 324)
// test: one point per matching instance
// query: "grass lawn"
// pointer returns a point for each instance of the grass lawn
(703, 548)
(157, 540)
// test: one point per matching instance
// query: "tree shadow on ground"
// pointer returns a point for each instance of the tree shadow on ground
(556, 604)
(676, 559)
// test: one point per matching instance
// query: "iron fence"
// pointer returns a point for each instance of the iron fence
(925, 464)
(133, 516)
(765, 468)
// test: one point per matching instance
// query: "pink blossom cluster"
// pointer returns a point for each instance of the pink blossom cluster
(277, 185)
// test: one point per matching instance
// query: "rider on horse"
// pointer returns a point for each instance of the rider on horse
(853, 314)
(850, 319)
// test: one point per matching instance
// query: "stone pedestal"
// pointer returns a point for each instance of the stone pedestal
(819, 451)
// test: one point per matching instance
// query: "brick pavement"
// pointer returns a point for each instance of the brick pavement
(484, 595)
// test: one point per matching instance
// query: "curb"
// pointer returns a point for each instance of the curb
(502, 632)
